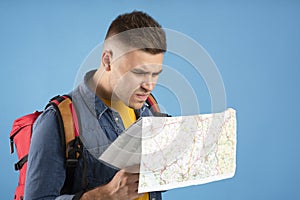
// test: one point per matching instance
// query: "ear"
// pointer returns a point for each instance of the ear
(106, 59)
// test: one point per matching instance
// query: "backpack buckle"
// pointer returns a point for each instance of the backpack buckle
(71, 162)
(21, 162)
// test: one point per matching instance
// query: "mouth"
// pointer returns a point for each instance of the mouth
(141, 97)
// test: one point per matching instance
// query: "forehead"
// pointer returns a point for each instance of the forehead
(143, 60)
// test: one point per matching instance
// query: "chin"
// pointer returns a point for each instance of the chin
(136, 105)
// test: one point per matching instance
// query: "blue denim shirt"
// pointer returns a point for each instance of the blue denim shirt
(100, 126)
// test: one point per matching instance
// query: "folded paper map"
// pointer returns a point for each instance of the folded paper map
(177, 151)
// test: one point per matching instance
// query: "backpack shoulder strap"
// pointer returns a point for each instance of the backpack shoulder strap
(154, 108)
(152, 103)
(69, 130)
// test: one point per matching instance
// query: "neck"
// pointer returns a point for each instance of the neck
(99, 84)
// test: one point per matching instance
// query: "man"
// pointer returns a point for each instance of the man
(109, 100)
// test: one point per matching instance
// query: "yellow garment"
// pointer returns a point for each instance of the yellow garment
(127, 114)
(128, 117)
(144, 197)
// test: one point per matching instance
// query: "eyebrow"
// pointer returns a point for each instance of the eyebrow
(142, 71)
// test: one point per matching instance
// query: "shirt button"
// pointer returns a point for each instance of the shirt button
(117, 119)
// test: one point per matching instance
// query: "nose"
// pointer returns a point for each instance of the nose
(148, 85)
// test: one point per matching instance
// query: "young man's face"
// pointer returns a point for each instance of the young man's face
(134, 76)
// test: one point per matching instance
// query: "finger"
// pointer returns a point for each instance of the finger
(124, 178)
(132, 178)
(126, 172)
(133, 169)
(135, 194)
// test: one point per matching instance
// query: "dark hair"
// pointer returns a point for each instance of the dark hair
(143, 32)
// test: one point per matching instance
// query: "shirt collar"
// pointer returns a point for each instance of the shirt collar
(93, 102)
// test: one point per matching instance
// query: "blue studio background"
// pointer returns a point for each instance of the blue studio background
(255, 44)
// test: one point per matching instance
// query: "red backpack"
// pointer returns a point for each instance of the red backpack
(21, 133)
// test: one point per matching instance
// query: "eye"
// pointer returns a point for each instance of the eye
(139, 72)
(144, 73)
(155, 74)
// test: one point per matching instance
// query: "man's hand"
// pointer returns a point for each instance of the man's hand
(123, 186)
